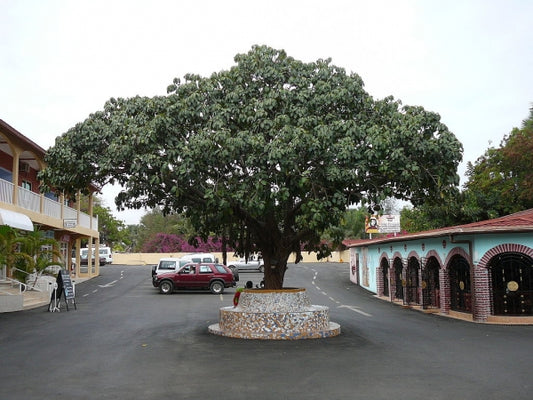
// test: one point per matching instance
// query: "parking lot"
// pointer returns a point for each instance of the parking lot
(127, 341)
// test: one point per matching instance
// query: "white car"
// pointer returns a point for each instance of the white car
(254, 263)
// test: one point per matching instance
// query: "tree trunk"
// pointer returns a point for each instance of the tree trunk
(274, 274)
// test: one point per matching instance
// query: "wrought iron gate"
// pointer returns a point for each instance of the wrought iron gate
(412, 281)
(385, 276)
(512, 284)
(398, 268)
(460, 296)
(430, 284)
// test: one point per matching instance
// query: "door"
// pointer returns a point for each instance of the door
(398, 282)
(186, 277)
(205, 274)
(412, 283)
(460, 292)
(430, 284)
(512, 284)
(385, 276)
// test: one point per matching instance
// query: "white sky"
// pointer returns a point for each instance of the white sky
(469, 61)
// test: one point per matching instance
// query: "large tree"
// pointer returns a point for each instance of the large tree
(267, 154)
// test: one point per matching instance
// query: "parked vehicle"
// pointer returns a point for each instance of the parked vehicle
(104, 256)
(166, 265)
(106, 252)
(215, 277)
(84, 258)
(254, 263)
(169, 264)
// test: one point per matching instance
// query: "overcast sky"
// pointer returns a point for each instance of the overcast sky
(469, 61)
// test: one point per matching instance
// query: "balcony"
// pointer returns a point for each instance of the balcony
(47, 211)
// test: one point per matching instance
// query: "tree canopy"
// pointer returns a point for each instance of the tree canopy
(268, 153)
(500, 182)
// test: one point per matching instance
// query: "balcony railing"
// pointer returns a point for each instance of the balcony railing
(51, 208)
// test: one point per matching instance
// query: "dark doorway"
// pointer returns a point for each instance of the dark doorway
(512, 284)
(385, 276)
(431, 284)
(460, 292)
(412, 283)
(398, 268)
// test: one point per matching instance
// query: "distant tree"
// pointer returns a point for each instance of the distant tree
(169, 243)
(353, 223)
(501, 181)
(112, 230)
(269, 153)
(155, 222)
(351, 226)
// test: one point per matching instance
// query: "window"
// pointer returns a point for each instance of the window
(170, 265)
(26, 185)
(205, 269)
(5, 174)
(221, 269)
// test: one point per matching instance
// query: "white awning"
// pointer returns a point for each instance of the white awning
(15, 220)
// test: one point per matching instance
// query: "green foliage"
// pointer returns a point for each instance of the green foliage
(268, 153)
(10, 242)
(112, 231)
(501, 181)
(351, 226)
(27, 252)
(155, 222)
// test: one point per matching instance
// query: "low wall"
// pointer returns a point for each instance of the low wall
(153, 258)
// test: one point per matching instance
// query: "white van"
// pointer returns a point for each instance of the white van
(106, 252)
(197, 258)
(170, 264)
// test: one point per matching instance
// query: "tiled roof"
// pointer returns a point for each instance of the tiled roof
(518, 222)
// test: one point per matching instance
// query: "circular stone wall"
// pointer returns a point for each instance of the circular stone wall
(275, 314)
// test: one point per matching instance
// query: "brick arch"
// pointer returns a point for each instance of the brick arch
(384, 255)
(382, 286)
(504, 248)
(397, 254)
(434, 254)
(454, 252)
(413, 279)
(414, 254)
(396, 288)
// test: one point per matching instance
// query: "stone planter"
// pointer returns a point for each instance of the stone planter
(285, 314)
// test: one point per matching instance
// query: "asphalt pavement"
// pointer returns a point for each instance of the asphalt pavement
(127, 341)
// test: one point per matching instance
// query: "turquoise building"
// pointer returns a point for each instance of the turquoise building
(481, 272)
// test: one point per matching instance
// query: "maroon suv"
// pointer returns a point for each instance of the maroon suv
(214, 277)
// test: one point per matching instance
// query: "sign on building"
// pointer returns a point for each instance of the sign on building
(382, 224)
(70, 223)
(389, 224)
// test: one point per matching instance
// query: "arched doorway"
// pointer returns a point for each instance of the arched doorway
(398, 283)
(385, 276)
(512, 284)
(460, 291)
(431, 284)
(412, 281)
